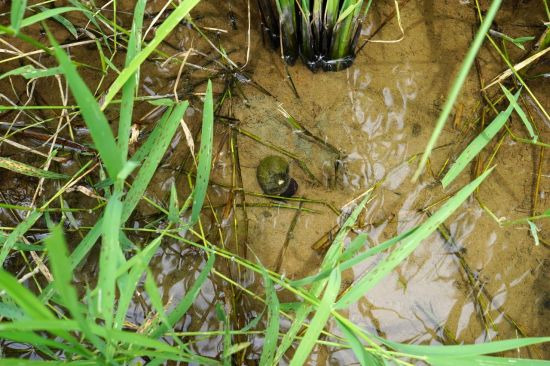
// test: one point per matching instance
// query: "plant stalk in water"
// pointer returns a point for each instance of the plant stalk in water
(323, 33)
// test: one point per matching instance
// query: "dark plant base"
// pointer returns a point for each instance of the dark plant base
(329, 65)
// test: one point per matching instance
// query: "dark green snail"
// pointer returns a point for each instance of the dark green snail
(273, 176)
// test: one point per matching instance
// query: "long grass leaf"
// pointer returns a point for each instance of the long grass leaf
(17, 12)
(513, 101)
(48, 13)
(319, 320)
(127, 285)
(205, 155)
(477, 145)
(151, 162)
(184, 305)
(161, 33)
(329, 262)
(19, 230)
(457, 84)
(484, 361)
(39, 341)
(108, 259)
(465, 350)
(384, 267)
(28, 170)
(129, 88)
(95, 120)
(365, 358)
(32, 307)
(22, 362)
(272, 329)
(60, 265)
(149, 144)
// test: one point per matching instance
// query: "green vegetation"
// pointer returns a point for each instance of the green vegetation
(323, 33)
(69, 325)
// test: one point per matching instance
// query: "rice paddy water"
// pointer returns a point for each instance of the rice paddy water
(147, 189)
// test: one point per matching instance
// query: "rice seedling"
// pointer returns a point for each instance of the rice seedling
(64, 323)
(323, 34)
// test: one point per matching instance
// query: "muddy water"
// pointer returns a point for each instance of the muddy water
(474, 281)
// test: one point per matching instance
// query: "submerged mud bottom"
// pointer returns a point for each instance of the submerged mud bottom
(473, 280)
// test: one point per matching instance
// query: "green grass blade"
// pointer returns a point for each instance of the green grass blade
(319, 320)
(205, 155)
(129, 88)
(63, 21)
(477, 145)
(39, 341)
(20, 229)
(161, 33)
(11, 312)
(95, 120)
(484, 361)
(457, 84)
(329, 262)
(272, 329)
(465, 350)
(48, 13)
(16, 14)
(384, 267)
(109, 259)
(28, 170)
(32, 307)
(349, 263)
(365, 358)
(513, 101)
(21, 362)
(151, 162)
(127, 284)
(60, 265)
(30, 72)
(173, 206)
(187, 300)
(149, 144)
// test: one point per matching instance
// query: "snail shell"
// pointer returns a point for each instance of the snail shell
(273, 176)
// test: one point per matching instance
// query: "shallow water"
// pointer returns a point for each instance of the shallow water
(379, 114)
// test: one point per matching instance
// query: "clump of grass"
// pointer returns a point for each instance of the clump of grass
(322, 33)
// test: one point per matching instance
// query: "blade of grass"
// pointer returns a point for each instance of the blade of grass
(513, 101)
(384, 267)
(19, 230)
(33, 308)
(477, 145)
(129, 88)
(59, 260)
(151, 162)
(457, 84)
(127, 284)
(108, 259)
(205, 155)
(49, 13)
(464, 350)
(161, 32)
(319, 319)
(329, 262)
(349, 263)
(272, 329)
(365, 358)
(28, 170)
(187, 300)
(484, 361)
(16, 14)
(95, 119)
